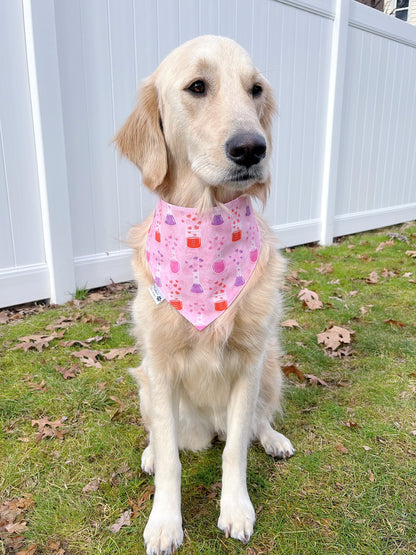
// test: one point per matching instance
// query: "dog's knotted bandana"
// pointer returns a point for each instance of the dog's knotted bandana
(201, 262)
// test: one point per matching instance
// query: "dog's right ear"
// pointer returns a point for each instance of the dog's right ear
(141, 137)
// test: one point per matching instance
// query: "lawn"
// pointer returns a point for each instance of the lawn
(71, 435)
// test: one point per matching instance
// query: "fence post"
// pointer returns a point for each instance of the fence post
(334, 119)
(45, 92)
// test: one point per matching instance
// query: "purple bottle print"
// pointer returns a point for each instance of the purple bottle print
(170, 220)
(196, 286)
(217, 219)
(248, 209)
(239, 280)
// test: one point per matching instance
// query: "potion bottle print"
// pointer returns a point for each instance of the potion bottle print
(170, 219)
(220, 301)
(239, 280)
(158, 281)
(196, 285)
(248, 209)
(174, 264)
(176, 301)
(236, 232)
(193, 238)
(157, 232)
(217, 219)
(219, 264)
(253, 252)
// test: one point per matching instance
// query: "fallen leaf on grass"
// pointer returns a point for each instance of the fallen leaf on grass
(28, 551)
(310, 299)
(334, 338)
(395, 323)
(124, 520)
(384, 244)
(70, 372)
(325, 268)
(92, 486)
(48, 428)
(84, 343)
(292, 369)
(137, 506)
(339, 447)
(412, 254)
(372, 278)
(371, 476)
(314, 380)
(38, 342)
(37, 387)
(88, 357)
(290, 324)
(11, 521)
(120, 353)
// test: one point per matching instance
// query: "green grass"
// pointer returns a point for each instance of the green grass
(350, 488)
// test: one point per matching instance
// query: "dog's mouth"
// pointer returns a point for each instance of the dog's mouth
(244, 178)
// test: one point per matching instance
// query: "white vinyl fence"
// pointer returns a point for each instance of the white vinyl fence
(345, 139)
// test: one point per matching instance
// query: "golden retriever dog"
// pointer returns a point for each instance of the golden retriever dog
(201, 136)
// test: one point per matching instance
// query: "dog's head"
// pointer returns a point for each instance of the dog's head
(203, 119)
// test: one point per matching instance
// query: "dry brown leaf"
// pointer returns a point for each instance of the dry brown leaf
(335, 337)
(28, 551)
(384, 244)
(92, 486)
(395, 323)
(38, 387)
(292, 369)
(372, 278)
(84, 343)
(137, 506)
(325, 268)
(314, 380)
(88, 357)
(412, 254)
(371, 476)
(70, 372)
(310, 299)
(120, 353)
(339, 447)
(48, 428)
(38, 342)
(290, 324)
(124, 520)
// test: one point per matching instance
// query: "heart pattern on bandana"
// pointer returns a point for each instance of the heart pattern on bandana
(201, 262)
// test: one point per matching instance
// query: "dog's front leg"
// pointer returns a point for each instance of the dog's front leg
(163, 532)
(237, 514)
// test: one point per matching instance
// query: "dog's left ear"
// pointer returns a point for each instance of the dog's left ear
(141, 138)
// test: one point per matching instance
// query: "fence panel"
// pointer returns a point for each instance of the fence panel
(23, 271)
(344, 155)
(377, 171)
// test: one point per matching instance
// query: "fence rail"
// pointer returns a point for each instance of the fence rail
(345, 140)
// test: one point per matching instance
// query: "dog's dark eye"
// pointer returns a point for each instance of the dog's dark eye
(197, 87)
(256, 90)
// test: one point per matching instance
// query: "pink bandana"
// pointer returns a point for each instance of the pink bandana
(200, 263)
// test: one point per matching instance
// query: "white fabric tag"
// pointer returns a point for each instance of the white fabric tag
(157, 295)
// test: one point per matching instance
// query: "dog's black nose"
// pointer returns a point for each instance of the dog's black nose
(246, 149)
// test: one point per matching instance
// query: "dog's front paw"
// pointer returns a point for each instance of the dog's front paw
(237, 518)
(148, 460)
(163, 533)
(277, 445)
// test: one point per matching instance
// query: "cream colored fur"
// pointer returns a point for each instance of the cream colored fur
(224, 380)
